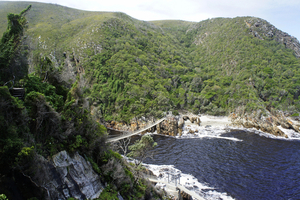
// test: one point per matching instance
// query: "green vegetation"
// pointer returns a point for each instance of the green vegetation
(52, 118)
(140, 150)
(108, 194)
(97, 66)
(212, 67)
(3, 197)
(137, 68)
(9, 45)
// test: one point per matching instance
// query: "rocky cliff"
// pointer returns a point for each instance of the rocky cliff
(65, 176)
(267, 123)
(263, 30)
(168, 126)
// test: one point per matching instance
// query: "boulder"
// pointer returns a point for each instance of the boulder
(195, 120)
(185, 118)
(191, 131)
(180, 123)
(168, 127)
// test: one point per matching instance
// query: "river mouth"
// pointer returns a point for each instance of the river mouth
(248, 167)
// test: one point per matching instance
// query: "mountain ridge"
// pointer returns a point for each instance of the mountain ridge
(186, 60)
(81, 70)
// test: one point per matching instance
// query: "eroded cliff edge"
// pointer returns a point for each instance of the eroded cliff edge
(64, 176)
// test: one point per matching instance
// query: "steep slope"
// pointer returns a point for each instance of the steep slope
(251, 58)
(43, 132)
(90, 66)
(134, 68)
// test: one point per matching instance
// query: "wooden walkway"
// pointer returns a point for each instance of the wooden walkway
(114, 139)
(18, 92)
(179, 186)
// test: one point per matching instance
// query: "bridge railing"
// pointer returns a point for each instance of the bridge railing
(136, 132)
(122, 134)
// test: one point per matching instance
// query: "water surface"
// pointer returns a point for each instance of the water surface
(254, 168)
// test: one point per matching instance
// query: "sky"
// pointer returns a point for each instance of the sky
(283, 14)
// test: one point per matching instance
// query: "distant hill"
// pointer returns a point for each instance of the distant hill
(137, 68)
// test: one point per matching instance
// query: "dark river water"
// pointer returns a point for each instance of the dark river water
(254, 168)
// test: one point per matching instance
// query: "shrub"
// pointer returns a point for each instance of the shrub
(108, 194)
(295, 115)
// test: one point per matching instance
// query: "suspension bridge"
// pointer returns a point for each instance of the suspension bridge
(126, 135)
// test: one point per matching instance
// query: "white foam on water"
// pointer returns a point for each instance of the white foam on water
(195, 131)
(291, 134)
(211, 127)
(188, 181)
(213, 131)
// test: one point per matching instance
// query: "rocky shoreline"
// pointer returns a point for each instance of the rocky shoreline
(273, 123)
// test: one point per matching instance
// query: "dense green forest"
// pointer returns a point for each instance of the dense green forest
(212, 67)
(51, 118)
(79, 67)
(71, 62)
(135, 68)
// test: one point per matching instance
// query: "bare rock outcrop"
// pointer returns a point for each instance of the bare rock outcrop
(262, 29)
(65, 176)
(195, 120)
(168, 127)
(267, 124)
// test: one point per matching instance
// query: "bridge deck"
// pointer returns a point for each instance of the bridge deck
(114, 139)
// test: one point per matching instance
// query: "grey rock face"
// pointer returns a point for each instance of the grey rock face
(262, 29)
(66, 176)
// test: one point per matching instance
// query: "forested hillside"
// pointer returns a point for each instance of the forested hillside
(79, 67)
(210, 67)
(134, 68)
(51, 147)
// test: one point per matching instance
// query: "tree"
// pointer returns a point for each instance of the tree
(10, 46)
(122, 145)
(141, 149)
(3, 197)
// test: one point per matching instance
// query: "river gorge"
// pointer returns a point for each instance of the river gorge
(234, 163)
